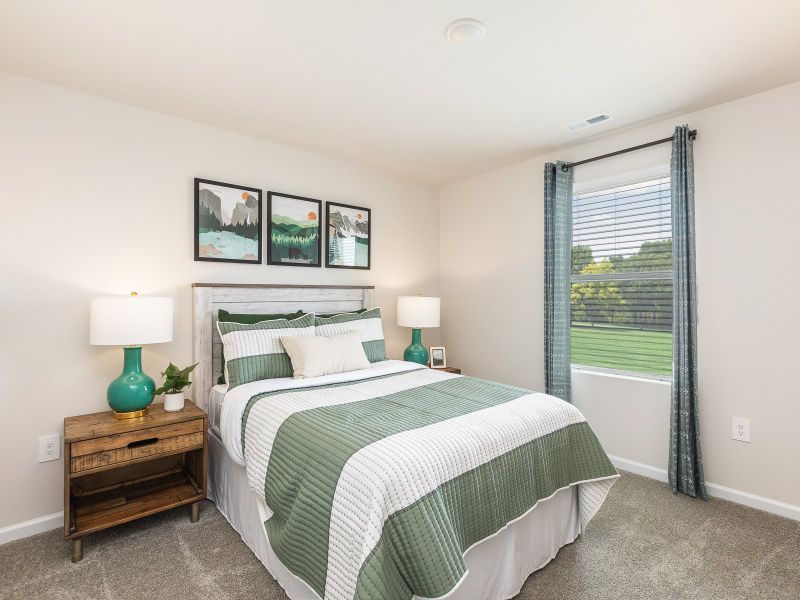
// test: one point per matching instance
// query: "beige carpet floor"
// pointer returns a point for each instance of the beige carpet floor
(644, 544)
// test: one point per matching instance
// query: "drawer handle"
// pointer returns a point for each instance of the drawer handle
(145, 442)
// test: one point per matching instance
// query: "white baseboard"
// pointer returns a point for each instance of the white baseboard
(639, 468)
(790, 511)
(32, 527)
(776, 507)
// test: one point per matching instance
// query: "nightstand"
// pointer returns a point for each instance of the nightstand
(455, 370)
(116, 471)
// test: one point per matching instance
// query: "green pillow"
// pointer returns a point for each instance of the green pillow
(366, 322)
(350, 312)
(254, 350)
(248, 319)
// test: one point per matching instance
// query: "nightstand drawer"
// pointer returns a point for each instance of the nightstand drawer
(123, 447)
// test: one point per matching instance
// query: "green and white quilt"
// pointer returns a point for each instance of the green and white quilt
(375, 488)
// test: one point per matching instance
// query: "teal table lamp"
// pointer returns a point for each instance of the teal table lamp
(130, 322)
(417, 312)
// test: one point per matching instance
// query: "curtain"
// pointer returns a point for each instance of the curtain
(685, 459)
(557, 267)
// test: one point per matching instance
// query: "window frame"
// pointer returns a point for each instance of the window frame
(598, 184)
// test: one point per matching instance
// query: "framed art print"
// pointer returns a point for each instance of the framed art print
(293, 230)
(348, 236)
(227, 222)
(438, 357)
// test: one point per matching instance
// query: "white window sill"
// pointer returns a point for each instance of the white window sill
(601, 372)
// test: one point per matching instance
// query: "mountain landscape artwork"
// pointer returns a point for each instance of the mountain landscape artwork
(294, 230)
(227, 221)
(348, 236)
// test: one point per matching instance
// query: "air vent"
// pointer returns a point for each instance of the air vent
(588, 122)
(597, 119)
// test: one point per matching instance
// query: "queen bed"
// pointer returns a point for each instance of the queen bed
(393, 481)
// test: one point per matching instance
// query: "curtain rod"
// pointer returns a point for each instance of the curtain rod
(567, 166)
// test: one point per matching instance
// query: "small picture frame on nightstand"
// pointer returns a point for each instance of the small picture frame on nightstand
(438, 357)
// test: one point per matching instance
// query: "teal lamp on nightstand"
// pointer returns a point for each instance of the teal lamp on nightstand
(130, 322)
(417, 312)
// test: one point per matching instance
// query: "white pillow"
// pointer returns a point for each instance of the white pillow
(321, 355)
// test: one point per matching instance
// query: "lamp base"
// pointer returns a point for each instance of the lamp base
(133, 391)
(134, 414)
(416, 352)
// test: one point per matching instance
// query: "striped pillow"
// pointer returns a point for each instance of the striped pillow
(254, 351)
(367, 324)
(224, 316)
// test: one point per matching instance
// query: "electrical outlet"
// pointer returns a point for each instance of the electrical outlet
(741, 429)
(49, 447)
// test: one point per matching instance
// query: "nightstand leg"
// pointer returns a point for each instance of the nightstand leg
(195, 512)
(77, 550)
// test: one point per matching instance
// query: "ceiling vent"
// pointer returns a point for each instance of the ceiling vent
(588, 122)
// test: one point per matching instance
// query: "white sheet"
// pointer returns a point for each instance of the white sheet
(215, 407)
(235, 401)
(498, 566)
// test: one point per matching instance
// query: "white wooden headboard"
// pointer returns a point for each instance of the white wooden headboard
(208, 298)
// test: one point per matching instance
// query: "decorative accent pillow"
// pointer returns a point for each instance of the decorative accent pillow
(321, 355)
(250, 318)
(367, 324)
(254, 351)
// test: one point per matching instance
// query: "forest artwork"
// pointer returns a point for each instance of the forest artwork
(227, 220)
(294, 230)
(348, 236)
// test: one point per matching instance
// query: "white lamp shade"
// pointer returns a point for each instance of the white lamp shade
(418, 311)
(130, 320)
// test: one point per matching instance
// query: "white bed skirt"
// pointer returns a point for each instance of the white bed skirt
(498, 566)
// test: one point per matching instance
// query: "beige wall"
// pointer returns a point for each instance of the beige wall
(747, 158)
(96, 199)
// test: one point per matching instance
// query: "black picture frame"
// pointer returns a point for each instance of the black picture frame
(328, 228)
(272, 260)
(198, 182)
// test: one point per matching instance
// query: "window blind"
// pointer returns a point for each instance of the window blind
(621, 295)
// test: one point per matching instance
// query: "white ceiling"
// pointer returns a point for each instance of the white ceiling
(375, 81)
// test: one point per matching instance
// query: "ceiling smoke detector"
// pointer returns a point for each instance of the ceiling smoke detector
(588, 122)
(465, 31)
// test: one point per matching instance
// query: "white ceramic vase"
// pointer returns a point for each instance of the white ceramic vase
(173, 402)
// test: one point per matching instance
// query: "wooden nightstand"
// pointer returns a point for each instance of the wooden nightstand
(117, 471)
(455, 370)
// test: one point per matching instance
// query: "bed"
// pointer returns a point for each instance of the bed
(428, 506)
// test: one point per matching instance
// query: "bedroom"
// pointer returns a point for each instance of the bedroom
(117, 116)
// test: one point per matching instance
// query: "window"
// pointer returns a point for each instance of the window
(621, 295)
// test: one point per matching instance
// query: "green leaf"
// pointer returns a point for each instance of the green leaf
(185, 372)
(175, 379)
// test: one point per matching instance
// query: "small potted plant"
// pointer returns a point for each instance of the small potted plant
(175, 381)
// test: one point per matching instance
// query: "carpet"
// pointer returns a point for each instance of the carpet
(644, 544)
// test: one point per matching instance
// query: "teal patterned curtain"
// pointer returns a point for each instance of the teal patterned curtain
(557, 264)
(685, 458)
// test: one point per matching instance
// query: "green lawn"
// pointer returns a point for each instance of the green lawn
(624, 349)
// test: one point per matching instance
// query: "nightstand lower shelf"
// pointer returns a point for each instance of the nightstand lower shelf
(98, 509)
